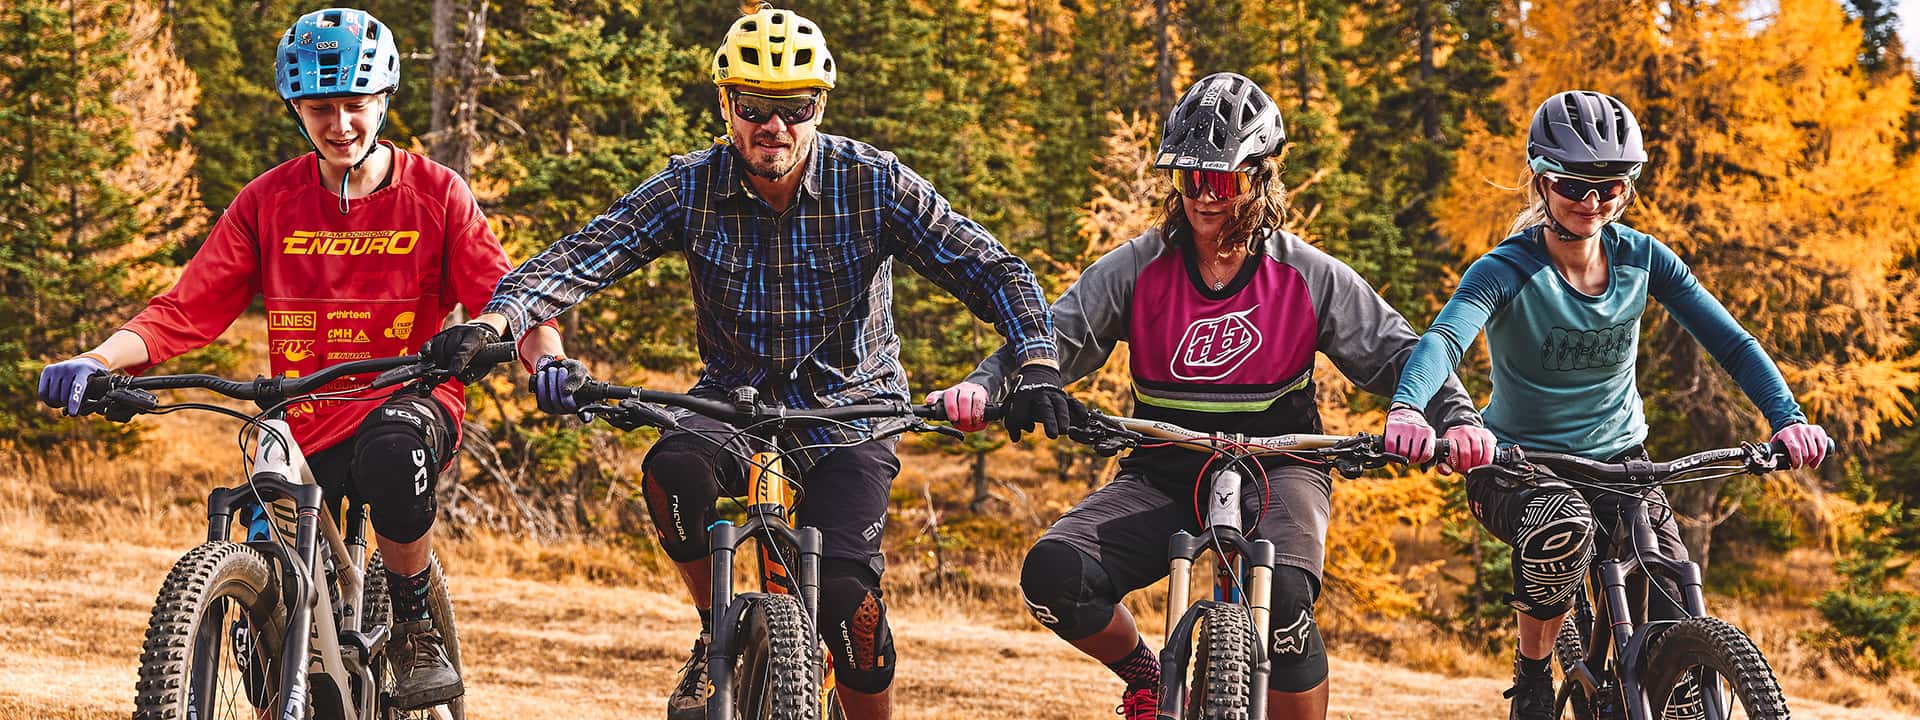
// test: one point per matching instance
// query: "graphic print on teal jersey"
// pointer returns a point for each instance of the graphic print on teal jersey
(1567, 349)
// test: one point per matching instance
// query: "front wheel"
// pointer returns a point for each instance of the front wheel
(1219, 686)
(213, 638)
(1706, 647)
(776, 676)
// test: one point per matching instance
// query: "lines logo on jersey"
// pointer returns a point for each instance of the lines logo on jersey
(357, 242)
(289, 320)
(1215, 347)
(1569, 349)
(294, 350)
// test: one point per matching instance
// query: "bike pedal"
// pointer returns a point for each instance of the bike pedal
(366, 644)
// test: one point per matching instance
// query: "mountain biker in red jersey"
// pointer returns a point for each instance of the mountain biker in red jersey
(360, 250)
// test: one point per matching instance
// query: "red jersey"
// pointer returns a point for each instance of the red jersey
(376, 282)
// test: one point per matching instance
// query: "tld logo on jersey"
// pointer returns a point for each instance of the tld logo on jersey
(1215, 347)
(293, 350)
(289, 320)
(358, 242)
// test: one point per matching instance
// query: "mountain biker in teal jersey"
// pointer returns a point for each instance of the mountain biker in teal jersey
(353, 249)
(789, 236)
(1561, 300)
(1222, 313)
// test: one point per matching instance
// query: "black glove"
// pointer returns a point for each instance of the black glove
(555, 381)
(452, 350)
(1039, 399)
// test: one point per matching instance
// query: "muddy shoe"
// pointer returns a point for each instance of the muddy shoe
(422, 675)
(1532, 697)
(689, 699)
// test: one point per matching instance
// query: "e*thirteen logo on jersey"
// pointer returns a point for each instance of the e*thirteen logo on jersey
(357, 242)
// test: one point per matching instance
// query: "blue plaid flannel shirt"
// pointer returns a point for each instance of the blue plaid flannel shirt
(797, 304)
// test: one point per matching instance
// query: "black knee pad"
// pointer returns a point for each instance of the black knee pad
(1551, 551)
(853, 622)
(1066, 590)
(397, 453)
(1296, 651)
(680, 484)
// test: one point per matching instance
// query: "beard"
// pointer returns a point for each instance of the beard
(771, 166)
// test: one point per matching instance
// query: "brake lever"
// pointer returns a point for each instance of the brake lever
(629, 415)
(121, 404)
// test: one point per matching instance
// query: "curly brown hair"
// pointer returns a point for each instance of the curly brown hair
(1265, 208)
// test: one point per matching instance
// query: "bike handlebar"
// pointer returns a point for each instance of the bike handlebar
(1754, 458)
(108, 393)
(744, 408)
(1350, 454)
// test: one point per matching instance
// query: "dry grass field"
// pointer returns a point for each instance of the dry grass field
(597, 631)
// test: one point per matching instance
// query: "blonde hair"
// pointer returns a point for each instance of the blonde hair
(1265, 208)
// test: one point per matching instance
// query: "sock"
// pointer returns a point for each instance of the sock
(1523, 665)
(409, 593)
(1140, 668)
(706, 621)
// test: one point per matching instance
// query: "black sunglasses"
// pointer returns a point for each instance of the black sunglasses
(757, 109)
(1576, 189)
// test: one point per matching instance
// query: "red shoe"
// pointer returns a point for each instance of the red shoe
(1139, 704)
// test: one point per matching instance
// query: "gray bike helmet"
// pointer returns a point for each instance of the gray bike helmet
(1221, 122)
(1581, 132)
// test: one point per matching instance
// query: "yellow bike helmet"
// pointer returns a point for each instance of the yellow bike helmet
(773, 50)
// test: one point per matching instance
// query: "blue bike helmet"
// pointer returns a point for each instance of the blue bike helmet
(334, 52)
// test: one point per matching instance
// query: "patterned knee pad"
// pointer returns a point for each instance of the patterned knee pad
(1551, 552)
(680, 485)
(397, 453)
(853, 622)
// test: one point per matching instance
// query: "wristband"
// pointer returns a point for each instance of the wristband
(97, 357)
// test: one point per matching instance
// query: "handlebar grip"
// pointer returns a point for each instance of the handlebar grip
(594, 391)
(1442, 451)
(937, 410)
(98, 386)
(494, 354)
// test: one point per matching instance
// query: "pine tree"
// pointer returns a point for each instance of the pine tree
(93, 181)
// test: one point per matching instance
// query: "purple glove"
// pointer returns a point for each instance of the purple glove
(64, 384)
(554, 380)
(1408, 435)
(1806, 443)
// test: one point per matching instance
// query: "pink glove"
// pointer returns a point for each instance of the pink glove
(966, 405)
(1472, 447)
(1409, 435)
(1806, 443)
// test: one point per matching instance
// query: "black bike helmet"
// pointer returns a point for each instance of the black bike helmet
(1585, 133)
(1222, 121)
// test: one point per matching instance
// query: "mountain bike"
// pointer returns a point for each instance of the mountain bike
(766, 659)
(1214, 664)
(292, 621)
(1632, 671)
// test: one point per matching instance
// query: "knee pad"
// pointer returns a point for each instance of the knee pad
(1551, 551)
(1066, 590)
(853, 622)
(680, 486)
(1297, 654)
(397, 453)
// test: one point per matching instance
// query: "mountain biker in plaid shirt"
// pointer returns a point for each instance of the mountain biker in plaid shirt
(789, 235)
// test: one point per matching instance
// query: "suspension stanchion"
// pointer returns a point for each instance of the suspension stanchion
(1179, 573)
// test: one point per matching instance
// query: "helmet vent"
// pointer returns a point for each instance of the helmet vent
(776, 59)
(360, 82)
(331, 19)
(778, 18)
(750, 56)
(373, 31)
(777, 38)
(296, 84)
(804, 29)
(332, 58)
(803, 57)
(750, 26)
(366, 67)
(828, 65)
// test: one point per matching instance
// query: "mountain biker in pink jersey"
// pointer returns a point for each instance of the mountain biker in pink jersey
(1222, 313)
(359, 250)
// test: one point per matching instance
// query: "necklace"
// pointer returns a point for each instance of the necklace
(1211, 280)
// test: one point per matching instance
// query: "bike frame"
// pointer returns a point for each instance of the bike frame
(313, 644)
(767, 523)
(1618, 588)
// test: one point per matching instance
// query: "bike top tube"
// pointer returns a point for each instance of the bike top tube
(1720, 462)
(269, 392)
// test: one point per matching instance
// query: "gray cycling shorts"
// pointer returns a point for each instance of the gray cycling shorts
(1125, 526)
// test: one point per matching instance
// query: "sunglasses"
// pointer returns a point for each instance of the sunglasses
(757, 109)
(1576, 189)
(1225, 185)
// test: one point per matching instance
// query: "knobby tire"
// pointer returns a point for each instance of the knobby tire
(216, 593)
(1222, 665)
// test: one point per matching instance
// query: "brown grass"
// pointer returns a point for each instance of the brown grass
(599, 627)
